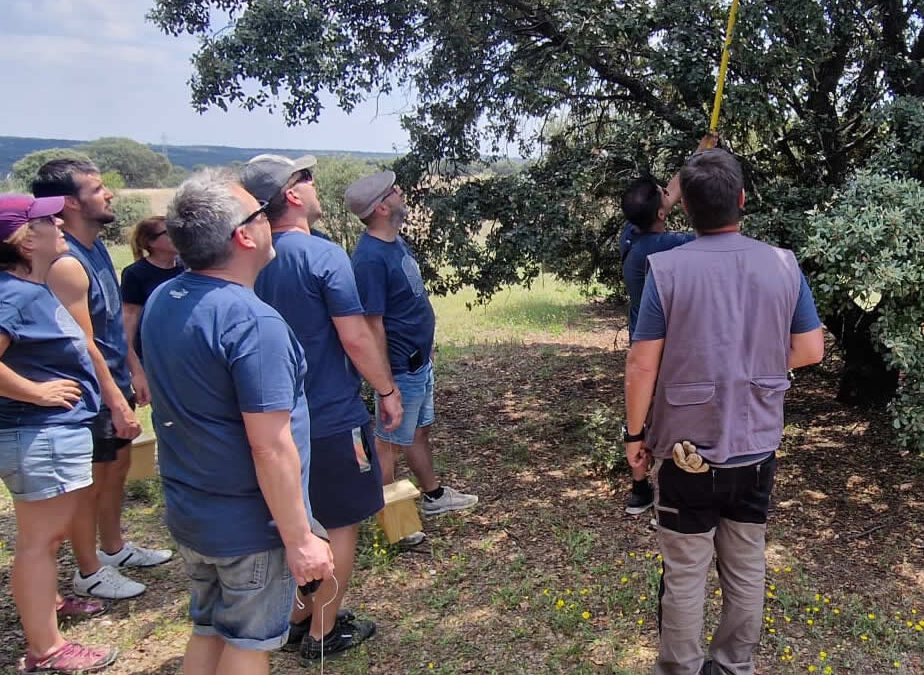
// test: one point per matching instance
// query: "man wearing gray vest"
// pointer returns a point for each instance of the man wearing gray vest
(722, 320)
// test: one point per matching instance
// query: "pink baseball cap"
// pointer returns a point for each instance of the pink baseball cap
(17, 210)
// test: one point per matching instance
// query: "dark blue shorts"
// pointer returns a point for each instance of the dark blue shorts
(345, 481)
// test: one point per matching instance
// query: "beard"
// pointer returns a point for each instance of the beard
(398, 214)
(105, 218)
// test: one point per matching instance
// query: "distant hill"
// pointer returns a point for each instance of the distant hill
(13, 148)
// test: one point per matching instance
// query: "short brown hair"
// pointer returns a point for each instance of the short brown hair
(711, 182)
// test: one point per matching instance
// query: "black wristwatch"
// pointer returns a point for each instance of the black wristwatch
(632, 438)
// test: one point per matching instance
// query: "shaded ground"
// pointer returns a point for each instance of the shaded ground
(547, 575)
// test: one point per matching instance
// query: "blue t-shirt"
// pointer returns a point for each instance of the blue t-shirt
(634, 249)
(308, 282)
(651, 324)
(46, 343)
(390, 286)
(212, 351)
(105, 305)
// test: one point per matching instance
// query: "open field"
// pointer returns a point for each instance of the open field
(547, 574)
(158, 197)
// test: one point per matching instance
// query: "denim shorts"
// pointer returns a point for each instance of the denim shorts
(245, 600)
(417, 398)
(43, 462)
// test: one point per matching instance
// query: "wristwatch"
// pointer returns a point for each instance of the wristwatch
(632, 438)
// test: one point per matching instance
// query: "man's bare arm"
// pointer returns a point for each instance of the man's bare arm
(365, 350)
(806, 349)
(642, 366)
(279, 471)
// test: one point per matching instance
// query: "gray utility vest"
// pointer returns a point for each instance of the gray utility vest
(728, 306)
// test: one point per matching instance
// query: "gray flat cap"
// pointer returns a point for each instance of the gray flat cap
(363, 195)
(265, 175)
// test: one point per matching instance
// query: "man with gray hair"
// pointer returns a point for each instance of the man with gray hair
(227, 381)
(311, 284)
(400, 315)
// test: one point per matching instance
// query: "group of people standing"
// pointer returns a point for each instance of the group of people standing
(253, 358)
(251, 352)
(66, 408)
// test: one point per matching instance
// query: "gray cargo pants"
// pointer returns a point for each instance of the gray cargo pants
(722, 511)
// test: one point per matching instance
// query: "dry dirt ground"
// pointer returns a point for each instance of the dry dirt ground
(547, 574)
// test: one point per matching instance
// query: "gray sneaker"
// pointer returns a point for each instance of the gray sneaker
(452, 500)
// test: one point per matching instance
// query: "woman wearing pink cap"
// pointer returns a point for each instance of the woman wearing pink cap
(48, 395)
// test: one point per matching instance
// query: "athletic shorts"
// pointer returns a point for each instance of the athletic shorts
(345, 480)
(106, 444)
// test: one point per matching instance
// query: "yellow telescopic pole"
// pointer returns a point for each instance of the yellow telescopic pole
(723, 68)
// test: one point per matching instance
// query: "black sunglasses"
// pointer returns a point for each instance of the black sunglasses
(157, 235)
(252, 217)
(304, 176)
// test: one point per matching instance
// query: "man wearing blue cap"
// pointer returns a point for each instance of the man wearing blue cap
(400, 314)
(310, 283)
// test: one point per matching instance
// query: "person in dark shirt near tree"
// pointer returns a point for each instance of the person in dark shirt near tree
(155, 262)
(646, 205)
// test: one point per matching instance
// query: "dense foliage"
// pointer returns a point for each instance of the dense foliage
(599, 92)
(873, 271)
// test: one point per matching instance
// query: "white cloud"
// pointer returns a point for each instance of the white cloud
(101, 70)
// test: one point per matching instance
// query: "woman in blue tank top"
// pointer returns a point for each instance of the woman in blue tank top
(48, 396)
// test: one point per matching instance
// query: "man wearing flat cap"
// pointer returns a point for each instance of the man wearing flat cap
(310, 283)
(399, 312)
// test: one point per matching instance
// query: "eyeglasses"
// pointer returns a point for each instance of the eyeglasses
(252, 217)
(157, 235)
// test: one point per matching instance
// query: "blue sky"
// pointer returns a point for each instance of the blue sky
(82, 69)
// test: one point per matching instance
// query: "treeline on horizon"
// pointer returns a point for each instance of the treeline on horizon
(180, 159)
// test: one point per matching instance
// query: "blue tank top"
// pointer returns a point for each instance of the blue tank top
(105, 305)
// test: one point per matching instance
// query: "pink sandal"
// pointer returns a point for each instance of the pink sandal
(71, 608)
(70, 658)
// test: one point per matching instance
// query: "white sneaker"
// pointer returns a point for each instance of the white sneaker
(135, 556)
(452, 500)
(107, 583)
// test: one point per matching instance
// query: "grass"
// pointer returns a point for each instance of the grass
(548, 307)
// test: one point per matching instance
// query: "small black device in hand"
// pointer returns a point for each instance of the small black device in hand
(310, 587)
(317, 530)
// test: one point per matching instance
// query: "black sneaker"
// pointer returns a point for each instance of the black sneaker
(641, 499)
(346, 634)
(707, 667)
(297, 631)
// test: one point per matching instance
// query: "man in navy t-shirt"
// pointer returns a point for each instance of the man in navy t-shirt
(399, 312)
(646, 205)
(84, 280)
(310, 283)
(227, 384)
